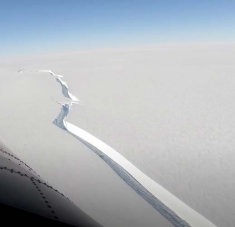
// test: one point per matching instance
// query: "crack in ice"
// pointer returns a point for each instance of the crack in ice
(60, 121)
(65, 90)
(158, 197)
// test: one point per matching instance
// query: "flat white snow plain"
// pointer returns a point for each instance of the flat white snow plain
(176, 212)
(168, 109)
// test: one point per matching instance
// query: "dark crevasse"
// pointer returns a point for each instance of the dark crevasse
(159, 198)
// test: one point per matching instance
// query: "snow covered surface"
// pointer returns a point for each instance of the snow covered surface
(164, 202)
(168, 109)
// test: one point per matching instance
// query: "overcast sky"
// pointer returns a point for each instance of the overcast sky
(28, 26)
